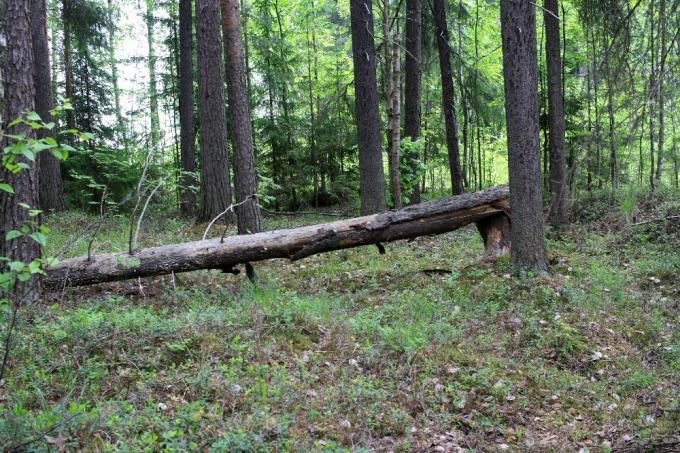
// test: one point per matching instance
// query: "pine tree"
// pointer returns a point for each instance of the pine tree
(17, 96)
(188, 205)
(51, 186)
(245, 176)
(372, 178)
(518, 29)
(215, 178)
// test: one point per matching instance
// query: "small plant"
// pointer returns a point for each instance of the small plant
(411, 169)
(627, 199)
(17, 157)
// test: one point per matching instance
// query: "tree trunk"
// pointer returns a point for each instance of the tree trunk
(434, 217)
(313, 154)
(412, 84)
(215, 185)
(448, 94)
(613, 155)
(68, 61)
(372, 178)
(518, 29)
(660, 93)
(120, 119)
(497, 237)
(650, 95)
(17, 96)
(393, 92)
(153, 90)
(559, 206)
(187, 125)
(51, 187)
(245, 176)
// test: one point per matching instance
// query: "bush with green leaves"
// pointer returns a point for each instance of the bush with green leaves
(20, 155)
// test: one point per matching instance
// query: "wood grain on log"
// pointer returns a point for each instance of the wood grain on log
(433, 217)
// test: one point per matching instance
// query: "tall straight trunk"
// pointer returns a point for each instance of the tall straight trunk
(187, 125)
(113, 62)
(245, 175)
(589, 149)
(660, 92)
(613, 157)
(17, 96)
(518, 30)
(448, 94)
(172, 108)
(478, 138)
(371, 175)
(651, 98)
(153, 89)
(215, 184)
(598, 139)
(412, 84)
(313, 152)
(51, 187)
(559, 207)
(464, 103)
(68, 60)
(676, 165)
(393, 92)
(285, 106)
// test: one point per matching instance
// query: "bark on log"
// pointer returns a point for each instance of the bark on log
(433, 217)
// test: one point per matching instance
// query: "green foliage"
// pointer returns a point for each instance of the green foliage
(411, 164)
(20, 155)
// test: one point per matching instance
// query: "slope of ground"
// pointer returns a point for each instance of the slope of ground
(420, 349)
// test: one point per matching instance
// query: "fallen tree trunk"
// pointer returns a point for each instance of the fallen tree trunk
(433, 217)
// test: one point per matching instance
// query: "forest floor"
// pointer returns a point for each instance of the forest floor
(424, 348)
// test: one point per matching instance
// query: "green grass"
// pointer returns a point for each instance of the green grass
(355, 350)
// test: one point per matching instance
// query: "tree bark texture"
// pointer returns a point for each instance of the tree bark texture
(51, 187)
(66, 15)
(518, 29)
(660, 91)
(412, 83)
(245, 175)
(393, 94)
(559, 207)
(215, 178)
(372, 177)
(187, 125)
(433, 217)
(448, 95)
(153, 89)
(17, 96)
(497, 236)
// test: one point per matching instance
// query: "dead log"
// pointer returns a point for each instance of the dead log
(433, 217)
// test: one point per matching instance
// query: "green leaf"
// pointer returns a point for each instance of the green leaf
(14, 123)
(16, 266)
(32, 116)
(39, 238)
(13, 234)
(42, 147)
(6, 187)
(35, 267)
(29, 154)
(34, 212)
(24, 276)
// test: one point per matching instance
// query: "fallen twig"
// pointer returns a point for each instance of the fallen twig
(673, 217)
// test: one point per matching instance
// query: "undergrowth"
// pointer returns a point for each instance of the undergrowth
(353, 350)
